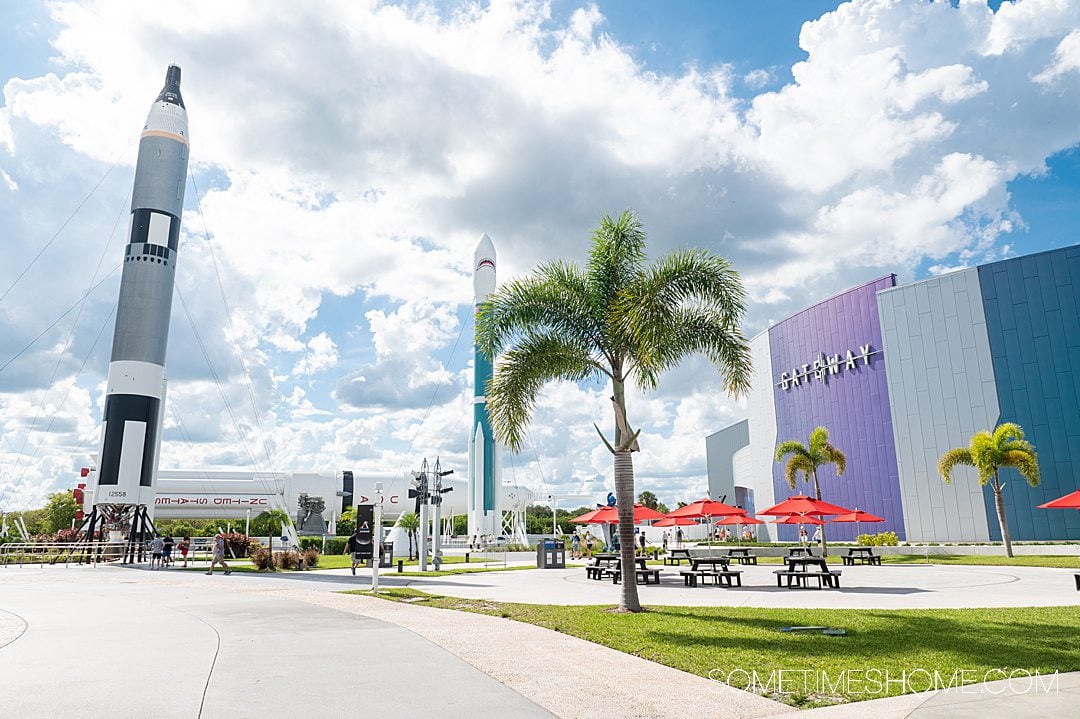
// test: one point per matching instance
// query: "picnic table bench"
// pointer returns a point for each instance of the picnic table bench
(863, 555)
(606, 565)
(676, 556)
(645, 575)
(714, 568)
(797, 573)
(742, 555)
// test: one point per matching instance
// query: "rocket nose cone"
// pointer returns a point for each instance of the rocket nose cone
(171, 91)
(484, 267)
(484, 248)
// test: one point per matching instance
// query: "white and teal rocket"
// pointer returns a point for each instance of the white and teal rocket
(485, 462)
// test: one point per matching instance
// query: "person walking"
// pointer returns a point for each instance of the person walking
(641, 541)
(678, 537)
(575, 546)
(817, 537)
(589, 545)
(664, 541)
(157, 547)
(353, 548)
(218, 555)
(166, 551)
(184, 546)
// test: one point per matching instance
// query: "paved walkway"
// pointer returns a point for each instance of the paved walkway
(111, 642)
(290, 645)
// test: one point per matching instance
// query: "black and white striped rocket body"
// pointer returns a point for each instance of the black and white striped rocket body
(135, 392)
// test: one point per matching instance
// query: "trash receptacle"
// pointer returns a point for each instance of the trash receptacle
(386, 556)
(551, 554)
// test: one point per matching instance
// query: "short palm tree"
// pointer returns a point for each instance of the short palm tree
(805, 459)
(988, 453)
(617, 319)
(410, 522)
(273, 516)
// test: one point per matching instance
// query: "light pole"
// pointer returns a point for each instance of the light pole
(436, 499)
(378, 537)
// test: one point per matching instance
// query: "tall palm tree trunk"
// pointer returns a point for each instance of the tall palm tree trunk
(817, 495)
(999, 503)
(624, 496)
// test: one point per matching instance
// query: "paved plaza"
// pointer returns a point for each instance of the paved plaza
(129, 642)
(889, 586)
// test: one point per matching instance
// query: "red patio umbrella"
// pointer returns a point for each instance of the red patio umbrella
(705, 508)
(610, 515)
(798, 519)
(1069, 501)
(857, 516)
(801, 504)
(739, 519)
(674, 522)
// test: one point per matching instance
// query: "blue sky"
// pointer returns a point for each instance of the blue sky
(348, 157)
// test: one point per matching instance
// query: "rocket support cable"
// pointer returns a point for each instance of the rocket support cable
(228, 317)
(67, 344)
(48, 428)
(67, 221)
(431, 402)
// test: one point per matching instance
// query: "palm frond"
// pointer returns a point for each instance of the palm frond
(1007, 431)
(615, 258)
(522, 372)
(791, 446)
(954, 458)
(1026, 463)
(554, 298)
(819, 437)
(834, 455)
(795, 464)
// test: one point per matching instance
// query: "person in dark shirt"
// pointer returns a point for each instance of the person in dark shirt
(353, 548)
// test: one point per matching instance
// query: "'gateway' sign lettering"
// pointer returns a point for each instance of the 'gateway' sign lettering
(824, 366)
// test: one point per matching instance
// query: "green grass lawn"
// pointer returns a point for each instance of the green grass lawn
(726, 643)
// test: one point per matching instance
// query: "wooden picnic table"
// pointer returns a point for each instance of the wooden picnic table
(864, 555)
(798, 572)
(676, 556)
(715, 568)
(698, 562)
(606, 565)
(799, 551)
(742, 555)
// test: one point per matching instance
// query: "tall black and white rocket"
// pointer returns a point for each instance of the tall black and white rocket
(135, 393)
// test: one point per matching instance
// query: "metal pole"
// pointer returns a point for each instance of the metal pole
(436, 537)
(378, 537)
(247, 523)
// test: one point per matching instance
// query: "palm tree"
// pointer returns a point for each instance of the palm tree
(988, 453)
(272, 517)
(410, 522)
(806, 458)
(619, 320)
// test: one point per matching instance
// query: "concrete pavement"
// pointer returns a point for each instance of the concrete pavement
(110, 642)
(98, 641)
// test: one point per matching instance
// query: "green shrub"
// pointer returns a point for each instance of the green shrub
(882, 539)
(335, 545)
(311, 542)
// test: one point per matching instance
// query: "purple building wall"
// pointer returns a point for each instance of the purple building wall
(852, 403)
